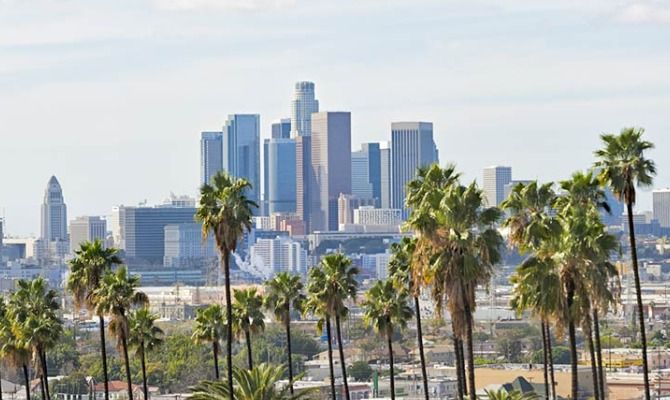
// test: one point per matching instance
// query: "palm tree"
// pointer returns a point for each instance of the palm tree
(144, 336)
(400, 271)
(281, 293)
(225, 211)
(90, 263)
(385, 309)
(210, 328)
(35, 322)
(460, 252)
(116, 297)
(534, 231)
(248, 317)
(259, 383)
(622, 165)
(11, 350)
(315, 305)
(332, 284)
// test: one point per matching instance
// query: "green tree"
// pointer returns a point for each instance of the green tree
(284, 292)
(91, 261)
(225, 211)
(330, 286)
(360, 371)
(144, 336)
(116, 296)
(11, 351)
(502, 394)
(210, 328)
(622, 166)
(385, 309)
(248, 317)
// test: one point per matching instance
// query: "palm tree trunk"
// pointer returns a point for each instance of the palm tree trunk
(250, 360)
(546, 361)
(594, 368)
(144, 371)
(573, 341)
(27, 380)
(640, 306)
(215, 350)
(45, 372)
(389, 339)
(599, 353)
(330, 357)
(124, 344)
(44, 393)
(471, 358)
(422, 357)
(457, 362)
(342, 361)
(550, 356)
(464, 375)
(229, 320)
(103, 351)
(290, 356)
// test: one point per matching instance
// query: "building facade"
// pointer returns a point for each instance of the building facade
(280, 254)
(280, 129)
(241, 150)
(412, 146)
(495, 180)
(385, 176)
(281, 178)
(366, 172)
(331, 167)
(211, 155)
(661, 207)
(185, 247)
(86, 229)
(54, 213)
(367, 215)
(303, 105)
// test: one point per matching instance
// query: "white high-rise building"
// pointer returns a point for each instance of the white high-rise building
(495, 180)
(368, 215)
(54, 213)
(86, 229)
(661, 207)
(304, 104)
(278, 255)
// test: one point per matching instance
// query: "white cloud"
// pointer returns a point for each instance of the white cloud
(645, 12)
(223, 4)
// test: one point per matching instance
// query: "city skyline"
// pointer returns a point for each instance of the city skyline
(110, 140)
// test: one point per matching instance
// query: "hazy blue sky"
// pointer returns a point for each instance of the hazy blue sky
(110, 96)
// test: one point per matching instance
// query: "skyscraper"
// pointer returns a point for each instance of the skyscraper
(385, 176)
(366, 172)
(241, 150)
(211, 155)
(281, 129)
(661, 207)
(54, 213)
(304, 104)
(86, 229)
(281, 178)
(412, 146)
(331, 167)
(495, 180)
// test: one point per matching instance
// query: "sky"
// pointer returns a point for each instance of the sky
(111, 96)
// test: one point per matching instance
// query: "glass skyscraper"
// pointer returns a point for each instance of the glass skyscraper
(280, 129)
(281, 177)
(241, 150)
(495, 180)
(366, 172)
(304, 104)
(211, 155)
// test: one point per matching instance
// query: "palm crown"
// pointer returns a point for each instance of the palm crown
(284, 291)
(333, 283)
(386, 308)
(209, 325)
(247, 312)
(144, 334)
(87, 268)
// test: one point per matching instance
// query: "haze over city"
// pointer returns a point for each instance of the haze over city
(111, 97)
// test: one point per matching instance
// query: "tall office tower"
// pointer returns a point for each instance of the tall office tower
(495, 179)
(661, 207)
(281, 129)
(184, 246)
(86, 229)
(412, 146)
(366, 172)
(303, 178)
(303, 105)
(331, 167)
(281, 176)
(211, 155)
(241, 150)
(385, 176)
(54, 213)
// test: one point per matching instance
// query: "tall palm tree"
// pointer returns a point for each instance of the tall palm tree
(332, 284)
(248, 317)
(385, 309)
(144, 336)
(210, 328)
(257, 384)
(116, 297)
(315, 306)
(36, 324)
(11, 350)
(283, 293)
(623, 166)
(461, 251)
(89, 264)
(225, 211)
(400, 271)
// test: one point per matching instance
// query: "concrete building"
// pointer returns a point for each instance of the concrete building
(241, 150)
(366, 172)
(412, 146)
(54, 213)
(185, 247)
(495, 179)
(385, 176)
(331, 167)
(346, 204)
(661, 207)
(278, 255)
(303, 178)
(211, 155)
(281, 177)
(86, 229)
